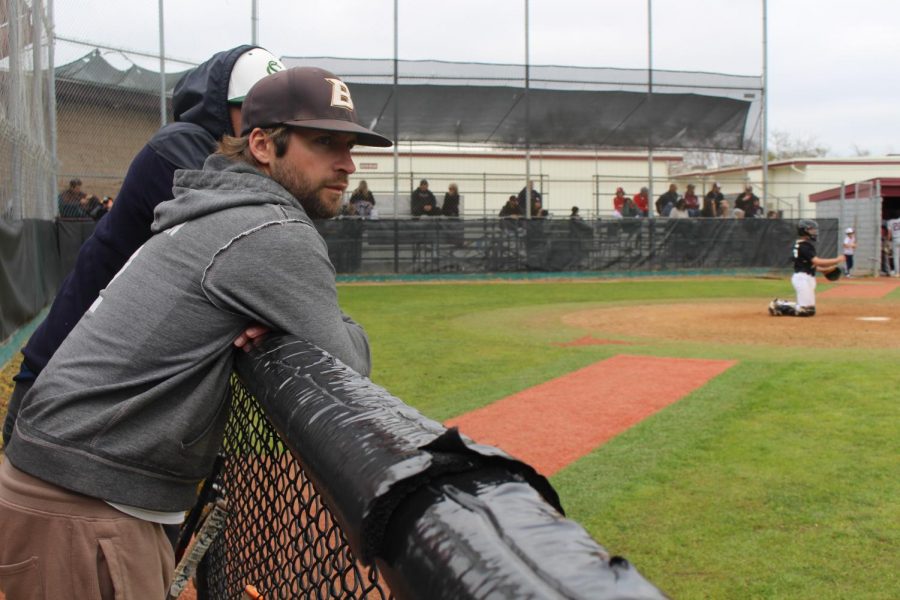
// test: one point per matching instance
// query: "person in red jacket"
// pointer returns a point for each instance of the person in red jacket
(642, 199)
(619, 200)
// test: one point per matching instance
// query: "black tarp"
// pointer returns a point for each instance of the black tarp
(563, 107)
(30, 271)
(473, 103)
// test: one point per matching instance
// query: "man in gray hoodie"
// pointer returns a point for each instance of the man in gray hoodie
(127, 417)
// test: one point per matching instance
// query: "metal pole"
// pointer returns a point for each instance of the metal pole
(483, 195)
(843, 208)
(527, 119)
(162, 67)
(650, 106)
(37, 87)
(16, 110)
(396, 93)
(254, 22)
(876, 204)
(51, 91)
(764, 143)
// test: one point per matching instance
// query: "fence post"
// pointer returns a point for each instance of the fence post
(483, 195)
(843, 217)
(396, 245)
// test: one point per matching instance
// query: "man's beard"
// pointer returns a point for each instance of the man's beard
(306, 193)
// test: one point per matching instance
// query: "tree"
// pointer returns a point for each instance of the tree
(783, 145)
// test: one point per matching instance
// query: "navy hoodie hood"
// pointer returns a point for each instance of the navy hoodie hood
(201, 96)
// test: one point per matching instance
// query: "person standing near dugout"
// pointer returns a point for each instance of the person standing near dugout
(849, 249)
(806, 263)
(893, 228)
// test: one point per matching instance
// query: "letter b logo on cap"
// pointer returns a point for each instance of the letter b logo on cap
(340, 94)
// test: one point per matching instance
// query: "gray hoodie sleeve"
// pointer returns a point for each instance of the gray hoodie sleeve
(279, 275)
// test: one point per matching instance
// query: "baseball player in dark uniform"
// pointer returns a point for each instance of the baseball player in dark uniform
(806, 263)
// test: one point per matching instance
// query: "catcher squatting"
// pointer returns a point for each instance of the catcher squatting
(806, 263)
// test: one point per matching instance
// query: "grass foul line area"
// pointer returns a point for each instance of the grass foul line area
(553, 424)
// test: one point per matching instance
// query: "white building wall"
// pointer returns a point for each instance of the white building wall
(486, 180)
(791, 183)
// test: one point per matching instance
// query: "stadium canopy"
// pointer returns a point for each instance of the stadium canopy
(475, 103)
(93, 69)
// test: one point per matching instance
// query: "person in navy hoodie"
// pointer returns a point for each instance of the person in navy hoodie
(206, 105)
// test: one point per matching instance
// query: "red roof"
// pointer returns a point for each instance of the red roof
(890, 187)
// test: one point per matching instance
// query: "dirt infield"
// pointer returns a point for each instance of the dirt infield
(837, 324)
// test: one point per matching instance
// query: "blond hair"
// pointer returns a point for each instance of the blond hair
(238, 148)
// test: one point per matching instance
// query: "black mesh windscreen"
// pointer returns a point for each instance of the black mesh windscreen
(279, 537)
(433, 245)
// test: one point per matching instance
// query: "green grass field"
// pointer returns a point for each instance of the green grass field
(778, 479)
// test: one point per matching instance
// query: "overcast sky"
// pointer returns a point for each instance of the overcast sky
(833, 65)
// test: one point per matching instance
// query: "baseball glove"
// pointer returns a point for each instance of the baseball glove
(833, 275)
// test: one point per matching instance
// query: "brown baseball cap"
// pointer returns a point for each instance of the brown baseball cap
(305, 97)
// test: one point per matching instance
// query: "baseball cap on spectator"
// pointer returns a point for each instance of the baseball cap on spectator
(249, 68)
(423, 182)
(849, 230)
(305, 97)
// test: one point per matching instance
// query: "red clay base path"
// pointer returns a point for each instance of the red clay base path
(553, 424)
(875, 288)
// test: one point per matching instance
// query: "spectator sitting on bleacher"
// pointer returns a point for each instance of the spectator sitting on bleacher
(679, 211)
(619, 201)
(754, 210)
(69, 201)
(93, 207)
(450, 207)
(666, 201)
(691, 201)
(746, 198)
(724, 209)
(536, 199)
(423, 201)
(712, 201)
(362, 200)
(642, 201)
(511, 208)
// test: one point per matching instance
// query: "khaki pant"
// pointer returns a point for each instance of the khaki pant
(59, 544)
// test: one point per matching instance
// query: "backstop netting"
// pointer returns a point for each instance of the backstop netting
(434, 245)
(27, 112)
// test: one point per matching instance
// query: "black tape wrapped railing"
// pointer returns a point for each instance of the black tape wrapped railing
(440, 515)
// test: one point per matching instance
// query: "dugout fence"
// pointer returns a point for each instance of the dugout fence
(336, 489)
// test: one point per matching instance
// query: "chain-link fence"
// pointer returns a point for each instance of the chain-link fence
(279, 536)
(104, 90)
